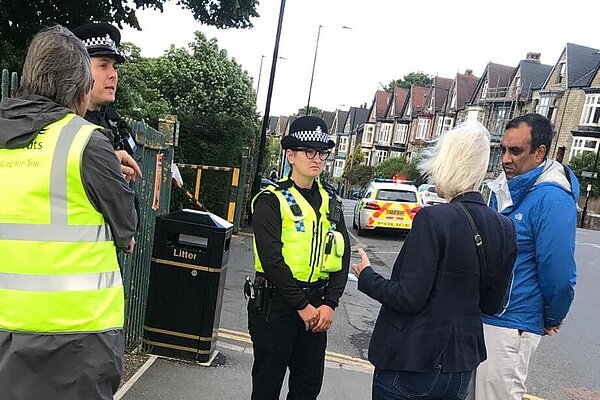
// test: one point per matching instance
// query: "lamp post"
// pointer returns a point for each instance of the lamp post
(312, 75)
(265, 121)
(260, 74)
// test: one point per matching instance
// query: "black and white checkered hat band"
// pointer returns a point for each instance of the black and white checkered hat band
(311, 136)
(101, 41)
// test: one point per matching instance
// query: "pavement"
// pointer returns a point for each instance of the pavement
(228, 375)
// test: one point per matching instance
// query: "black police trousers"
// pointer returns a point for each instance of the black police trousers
(282, 342)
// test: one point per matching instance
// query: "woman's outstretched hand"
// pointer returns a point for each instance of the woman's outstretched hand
(364, 263)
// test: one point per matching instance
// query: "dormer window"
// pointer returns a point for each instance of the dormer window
(484, 90)
(561, 72)
(453, 100)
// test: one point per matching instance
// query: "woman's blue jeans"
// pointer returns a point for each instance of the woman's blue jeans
(402, 385)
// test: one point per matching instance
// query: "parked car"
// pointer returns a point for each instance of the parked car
(386, 203)
(429, 196)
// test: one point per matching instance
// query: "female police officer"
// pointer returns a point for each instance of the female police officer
(302, 254)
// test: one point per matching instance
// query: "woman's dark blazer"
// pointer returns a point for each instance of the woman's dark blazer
(432, 304)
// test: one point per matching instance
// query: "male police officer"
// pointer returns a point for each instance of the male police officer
(65, 207)
(102, 41)
(302, 254)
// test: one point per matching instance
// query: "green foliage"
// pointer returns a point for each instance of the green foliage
(211, 96)
(585, 162)
(398, 166)
(354, 159)
(20, 20)
(414, 78)
(316, 111)
(360, 175)
(272, 153)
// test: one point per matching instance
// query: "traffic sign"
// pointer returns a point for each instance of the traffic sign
(589, 174)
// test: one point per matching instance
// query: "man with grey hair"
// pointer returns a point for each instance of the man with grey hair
(66, 206)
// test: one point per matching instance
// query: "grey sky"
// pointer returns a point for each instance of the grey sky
(389, 38)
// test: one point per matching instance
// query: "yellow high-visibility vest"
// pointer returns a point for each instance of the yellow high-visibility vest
(58, 265)
(304, 237)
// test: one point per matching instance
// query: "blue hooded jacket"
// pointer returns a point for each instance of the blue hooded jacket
(544, 212)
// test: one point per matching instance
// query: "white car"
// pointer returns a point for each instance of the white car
(429, 196)
(386, 203)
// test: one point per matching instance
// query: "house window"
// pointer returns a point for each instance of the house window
(591, 110)
(338, 168)
(368, 139)
(561, 72)
(366, 157)
(501, 119)
(547, 107)
(443, 125)
(484, 91)
(401, 134)
(343, 145)
(423, 128)
(582, 145)
(380, 155)
(385, 133)
(518, 85)
(395, 154)
(453, 101)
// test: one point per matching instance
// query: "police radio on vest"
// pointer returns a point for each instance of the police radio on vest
(188, 255)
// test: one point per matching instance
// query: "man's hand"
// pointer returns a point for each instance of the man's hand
(364, 263)
(130, 169)
(310, 316)
(325, 318)
(551, 330)
(131, 246)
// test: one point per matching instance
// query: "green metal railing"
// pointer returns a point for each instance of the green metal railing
(10, 83)
(154, 156)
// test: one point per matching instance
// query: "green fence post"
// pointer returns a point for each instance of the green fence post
(241, 189)
(5, 83)
(14, 85)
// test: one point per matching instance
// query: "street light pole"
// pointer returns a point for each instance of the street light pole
(265, 121)
(312, 75)
(259, 75)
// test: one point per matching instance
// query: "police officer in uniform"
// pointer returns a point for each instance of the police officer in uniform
(102, 41)
(302, 254)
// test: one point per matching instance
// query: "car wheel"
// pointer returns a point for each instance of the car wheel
(354, 223)
(359, 231)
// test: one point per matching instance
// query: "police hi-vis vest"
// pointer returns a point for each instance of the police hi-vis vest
(58, 264)
(305, 238)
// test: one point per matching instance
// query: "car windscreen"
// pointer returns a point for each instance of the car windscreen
(405, 196)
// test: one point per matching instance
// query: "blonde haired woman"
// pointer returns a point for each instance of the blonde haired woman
(428, 337)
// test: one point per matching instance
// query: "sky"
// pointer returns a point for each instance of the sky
(387, 40)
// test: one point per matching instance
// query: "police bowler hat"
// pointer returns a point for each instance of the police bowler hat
(100, 39)
(307, 131)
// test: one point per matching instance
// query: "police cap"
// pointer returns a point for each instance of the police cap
(100, 39)
(307, 131)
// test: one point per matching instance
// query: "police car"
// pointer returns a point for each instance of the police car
(386, 203)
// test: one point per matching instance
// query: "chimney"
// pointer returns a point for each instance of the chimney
(468, 72)
(533, 57)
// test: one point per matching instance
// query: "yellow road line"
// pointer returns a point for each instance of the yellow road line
(330, 356)
(531, 397)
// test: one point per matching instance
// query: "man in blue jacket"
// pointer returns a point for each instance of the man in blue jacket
(540, 196)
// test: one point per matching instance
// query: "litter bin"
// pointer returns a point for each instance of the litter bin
(187, 279)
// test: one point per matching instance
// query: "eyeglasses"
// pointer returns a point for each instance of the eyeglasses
(311, 153)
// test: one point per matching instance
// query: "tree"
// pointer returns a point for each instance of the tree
(398, 167)
(211, 96)
(414, 78)
(360, 175)
(312, 111)
(20, 20)
(585, 162)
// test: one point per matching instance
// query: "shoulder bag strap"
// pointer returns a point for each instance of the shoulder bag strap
(478, 240)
